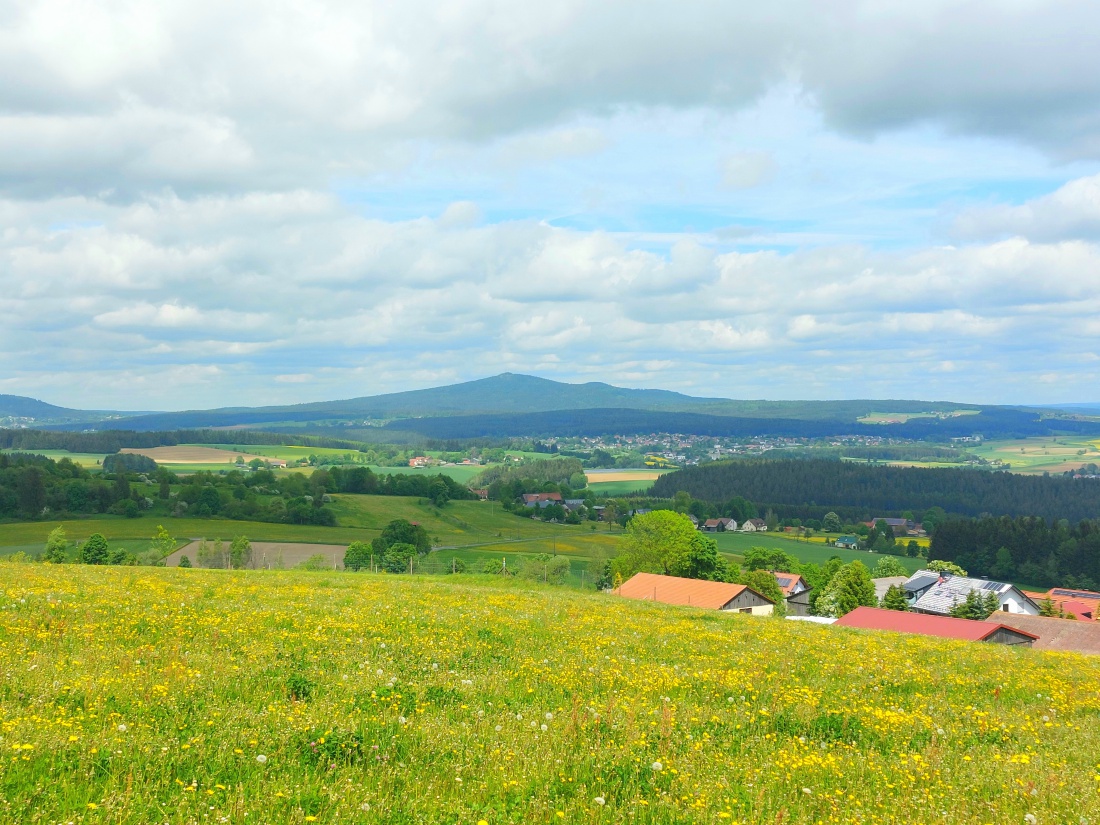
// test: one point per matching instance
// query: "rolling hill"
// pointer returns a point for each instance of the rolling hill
(506, 394)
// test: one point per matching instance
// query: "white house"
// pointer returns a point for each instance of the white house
(951, 590)
(754, 525)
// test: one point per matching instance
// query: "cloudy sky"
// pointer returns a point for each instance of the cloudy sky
(207, 204)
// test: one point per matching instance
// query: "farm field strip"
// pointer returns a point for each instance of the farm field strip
(332, 697)
(189, 454)
(1038, 455)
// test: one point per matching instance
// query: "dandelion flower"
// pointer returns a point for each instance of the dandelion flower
(599, 800)
(1030, 819)
(261, 759)
(657, 766)
(122, 729)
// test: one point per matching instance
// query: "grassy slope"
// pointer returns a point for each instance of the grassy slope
(386, 699)
(360, 517)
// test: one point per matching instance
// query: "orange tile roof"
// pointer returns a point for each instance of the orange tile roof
(674, 590)
(792, 580)
(1078, 605)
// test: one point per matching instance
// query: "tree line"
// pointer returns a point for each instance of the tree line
(1027, 549)
(810, 488)
(111, 441)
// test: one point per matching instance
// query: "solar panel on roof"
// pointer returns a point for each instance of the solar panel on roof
(1079, 594)
(991, 586)
(783, 582)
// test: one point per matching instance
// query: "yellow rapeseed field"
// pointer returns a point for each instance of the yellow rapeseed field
(133, 695)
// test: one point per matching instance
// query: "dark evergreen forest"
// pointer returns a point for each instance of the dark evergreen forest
(1027, 549)
(809, 488)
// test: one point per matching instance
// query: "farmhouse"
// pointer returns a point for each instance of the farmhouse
(419, 461)
(900, 526)
(541, 499)
(736, 598)
(1055, 634)
(847, 542)
(945, 627)
(948, 591)
(754, 525)
(713, 525)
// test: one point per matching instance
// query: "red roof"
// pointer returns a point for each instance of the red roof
(532, 497)
(1079, 604)
(875, 618)
(675, 590)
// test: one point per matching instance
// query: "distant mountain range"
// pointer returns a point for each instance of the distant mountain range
(511, 404)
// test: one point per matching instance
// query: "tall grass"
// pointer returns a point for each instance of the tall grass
(189, 696)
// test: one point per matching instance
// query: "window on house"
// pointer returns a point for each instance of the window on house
(1004, 607)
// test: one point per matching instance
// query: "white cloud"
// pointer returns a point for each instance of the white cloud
(204, 204)
(747, 170)
(1071, 212)
(270, 293)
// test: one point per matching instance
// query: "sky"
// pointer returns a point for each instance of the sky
(206, 204)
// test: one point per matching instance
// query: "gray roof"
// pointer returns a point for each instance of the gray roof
(942, 597)
(921, 579)
(885, 583)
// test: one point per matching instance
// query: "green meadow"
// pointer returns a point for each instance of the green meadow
(139, 695)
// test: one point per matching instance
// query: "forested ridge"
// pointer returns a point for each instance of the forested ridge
(990, 423)
(808, 488)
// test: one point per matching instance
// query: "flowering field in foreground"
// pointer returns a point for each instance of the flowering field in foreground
(146, 696)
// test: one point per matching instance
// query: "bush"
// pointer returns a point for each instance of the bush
(94, 550)
(398, 557)
(545, 568)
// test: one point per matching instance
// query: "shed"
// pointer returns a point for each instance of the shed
(945, 627)
(737, 598)
(1055, 634)
(798, 604)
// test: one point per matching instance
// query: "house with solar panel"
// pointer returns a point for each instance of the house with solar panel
(939, 597)
(796, 591)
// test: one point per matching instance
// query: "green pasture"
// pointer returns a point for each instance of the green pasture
(1038, 455)
(89, 461)
(360, 518)
(133, 545)
(619, 488)
(737, 544)
(463, 474)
